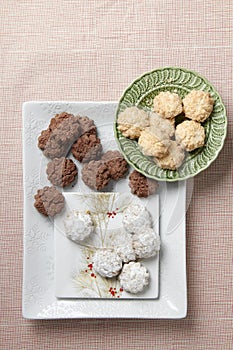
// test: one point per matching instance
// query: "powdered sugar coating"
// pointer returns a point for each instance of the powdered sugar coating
(107, 263)
(132, 121)
(78, 226)
(167, 104)
(123, 244)
(134, 277)
(190, 135)
(135, 218)
(198, 105)
(146, 243)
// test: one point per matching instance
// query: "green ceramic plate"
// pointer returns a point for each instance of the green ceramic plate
(142, 92)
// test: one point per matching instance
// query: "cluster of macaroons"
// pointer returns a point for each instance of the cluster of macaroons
(137, 240)
(156, 132)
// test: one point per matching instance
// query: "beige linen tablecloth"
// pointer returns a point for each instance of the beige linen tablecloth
(92, 50)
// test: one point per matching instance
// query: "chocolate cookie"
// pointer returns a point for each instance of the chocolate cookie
(43, 138)
(54, 123)
(87, 148)
(49, 201)
(141, 186)
(58, 119)
(117, 165)
(61, 138)
(96, 175)
(61, 171)
(87, 125)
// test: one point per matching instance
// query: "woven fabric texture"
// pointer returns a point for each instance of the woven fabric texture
(92, 50)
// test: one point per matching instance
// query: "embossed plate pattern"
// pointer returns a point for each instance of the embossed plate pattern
(142, 92)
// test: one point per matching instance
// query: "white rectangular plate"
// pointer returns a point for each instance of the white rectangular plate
(39, 300)
(74, 276)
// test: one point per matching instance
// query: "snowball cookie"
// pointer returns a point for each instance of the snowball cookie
(135, 218)
(190, 135)
(123, 244)
(132, 121)
(173, 159)
(146, 243)
(78, 226)
(166, 126)
(107, 263)
(167, 104)
(198, 105)
(134, 277)
(153, 143)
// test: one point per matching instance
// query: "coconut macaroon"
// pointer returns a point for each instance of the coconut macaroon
(198, 105)
(190, 135)
(107, 263)
(153, 143)
(165, 126)
(132, 121)
(173, 159)
(135, 218)
(78, 226)
(146, 243)
(134, 277)
(168, 104)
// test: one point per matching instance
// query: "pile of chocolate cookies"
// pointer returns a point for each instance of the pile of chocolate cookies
(68, 133)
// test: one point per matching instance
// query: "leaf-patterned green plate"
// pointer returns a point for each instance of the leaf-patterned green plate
(142, 92)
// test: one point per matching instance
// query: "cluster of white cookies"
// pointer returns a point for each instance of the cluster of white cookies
(156, 132)
(136, 241)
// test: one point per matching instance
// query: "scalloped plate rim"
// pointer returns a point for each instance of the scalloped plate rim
(222, 139)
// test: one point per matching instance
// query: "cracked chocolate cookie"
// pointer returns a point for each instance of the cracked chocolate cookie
(54, 123)
(141, 186)
(49, 201)
(96, 174)
(116, 164)
(56, 141)
(88, 147)
(61, 171)
(87, 125)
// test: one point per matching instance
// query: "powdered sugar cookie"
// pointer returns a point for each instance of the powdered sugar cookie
(78, 226)
(134, 277)
(107, 263)
(135, 218)
(146, 243)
